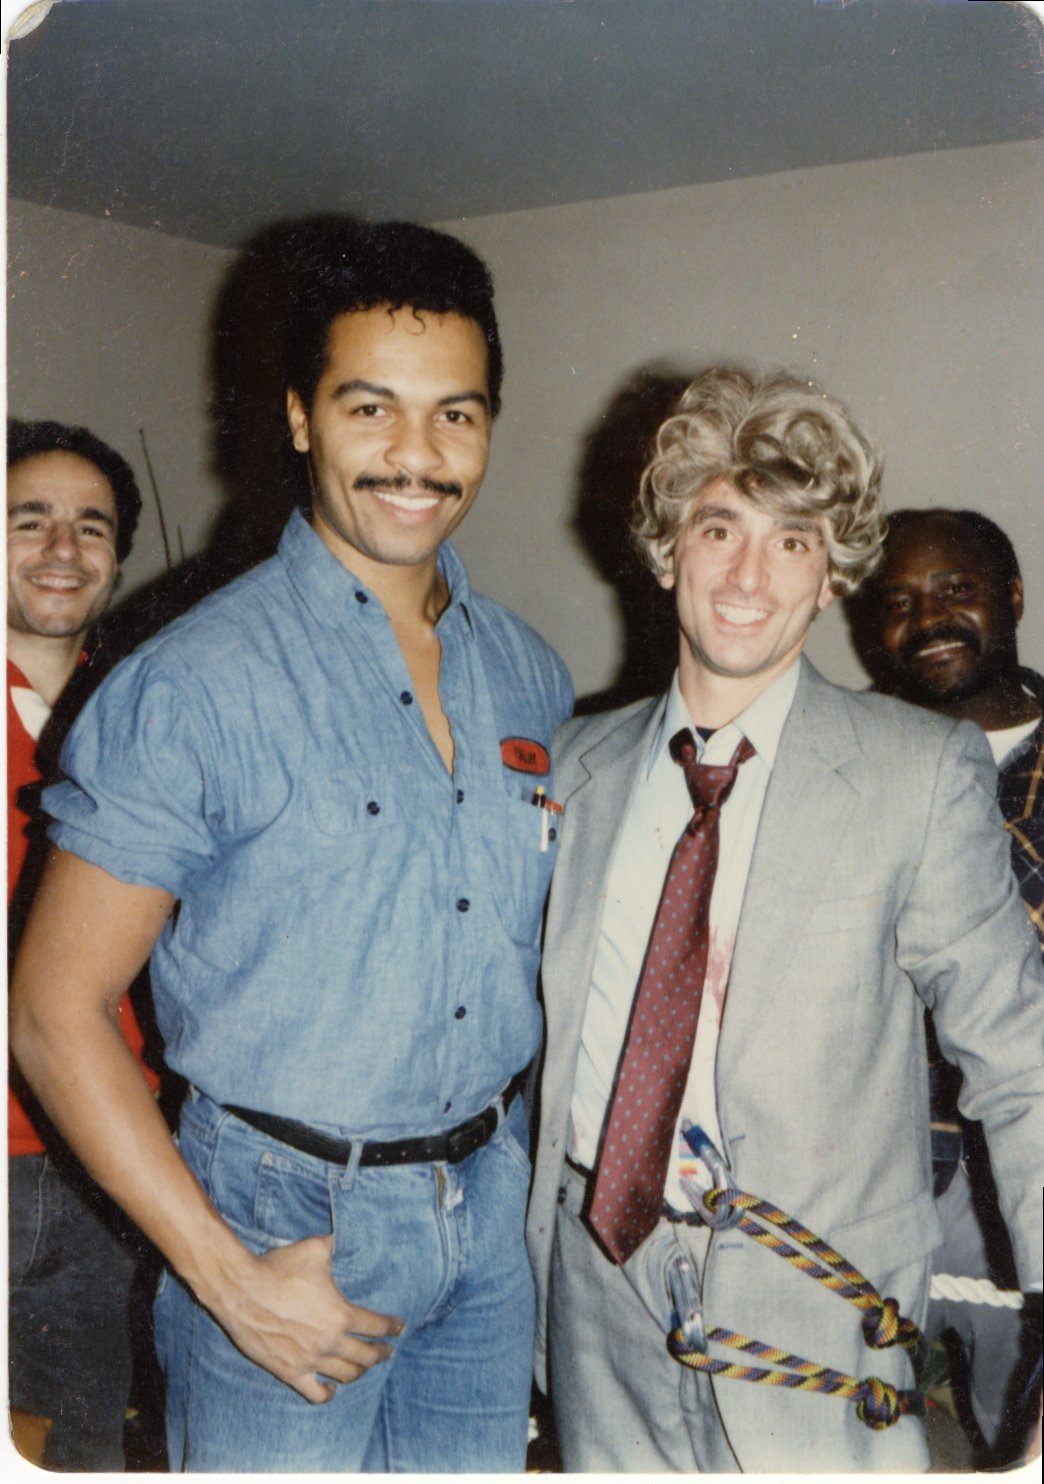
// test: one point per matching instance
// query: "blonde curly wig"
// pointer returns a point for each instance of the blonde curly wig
(791, 449)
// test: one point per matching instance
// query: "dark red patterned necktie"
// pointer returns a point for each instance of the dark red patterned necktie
(654, 1066)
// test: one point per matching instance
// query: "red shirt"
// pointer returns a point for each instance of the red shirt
(22, 1138)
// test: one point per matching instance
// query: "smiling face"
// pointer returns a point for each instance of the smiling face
(61, 545)
(397, 436)
(747, 585)
(945, 622)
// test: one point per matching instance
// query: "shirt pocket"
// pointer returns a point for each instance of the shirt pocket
(529, 845)
(357, 838)
(346, 804)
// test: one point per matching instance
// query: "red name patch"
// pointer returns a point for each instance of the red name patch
(524, 755)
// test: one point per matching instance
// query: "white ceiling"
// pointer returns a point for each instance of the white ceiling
(210, 119)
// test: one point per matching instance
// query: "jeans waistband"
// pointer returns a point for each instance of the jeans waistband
(446, 1148)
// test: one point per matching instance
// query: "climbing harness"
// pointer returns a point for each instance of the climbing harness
(879, 1404)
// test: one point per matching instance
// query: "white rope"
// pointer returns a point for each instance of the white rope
(974, 1291)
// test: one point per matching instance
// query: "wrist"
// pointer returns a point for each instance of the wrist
(217, 1266)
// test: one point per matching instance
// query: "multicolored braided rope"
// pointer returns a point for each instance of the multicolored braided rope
(879, 1404)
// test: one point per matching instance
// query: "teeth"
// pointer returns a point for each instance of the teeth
(408, 502)
(740, 615)
(942, 646)
(58, 584)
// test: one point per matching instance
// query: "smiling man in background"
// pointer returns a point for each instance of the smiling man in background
(937, 625)
(72, 506)
(329, 769)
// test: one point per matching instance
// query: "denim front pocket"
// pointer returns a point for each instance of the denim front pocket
(292, 1197)
(267, 1198)
(512, 1136)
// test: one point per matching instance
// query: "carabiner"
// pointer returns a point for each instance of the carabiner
(685, 1296)
(704, 1149)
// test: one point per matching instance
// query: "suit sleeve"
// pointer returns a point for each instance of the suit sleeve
(964, 938)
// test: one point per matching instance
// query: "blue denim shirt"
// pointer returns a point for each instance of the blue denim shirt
(356, 942)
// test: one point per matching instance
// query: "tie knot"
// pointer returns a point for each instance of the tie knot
(708, 785)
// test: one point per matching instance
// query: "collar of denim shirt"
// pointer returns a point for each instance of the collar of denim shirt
(331, 592)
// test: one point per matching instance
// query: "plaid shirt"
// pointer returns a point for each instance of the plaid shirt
(1020, 794)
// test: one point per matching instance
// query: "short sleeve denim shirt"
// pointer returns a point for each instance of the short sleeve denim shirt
(357, 934)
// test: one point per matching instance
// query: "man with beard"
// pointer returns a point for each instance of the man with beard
(72, 505)
(329, 769)
(937, 627)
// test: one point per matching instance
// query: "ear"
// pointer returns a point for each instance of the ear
(297, 417)
(666, 578)
(1017, 599)
(827, 594)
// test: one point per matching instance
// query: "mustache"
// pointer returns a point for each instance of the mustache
(401, 482)
(943, 634)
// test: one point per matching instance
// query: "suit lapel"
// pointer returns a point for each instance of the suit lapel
(807, 810)
(598, 784)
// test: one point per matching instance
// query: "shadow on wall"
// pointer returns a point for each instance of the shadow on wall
(262, 478)
(616, 450)
(260, 474)
(861, 614)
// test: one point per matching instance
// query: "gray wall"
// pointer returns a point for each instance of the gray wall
(109, 326)
(913, 288)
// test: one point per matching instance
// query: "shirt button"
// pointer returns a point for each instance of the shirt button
(552, 834)
(406, 698)
(361, 597)
(373, 807)
(460, 796)
(463, 904)
(447, 1107)
(459, 1013)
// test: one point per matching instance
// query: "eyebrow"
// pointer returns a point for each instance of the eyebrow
(348, 388)
(892, 583)
(714, 512)
(953, 572)
(41, 507)
(782, 523)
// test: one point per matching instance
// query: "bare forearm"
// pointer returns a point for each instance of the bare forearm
(282, 1310)
(86, 938)
(68, 1044)
(103, 1107)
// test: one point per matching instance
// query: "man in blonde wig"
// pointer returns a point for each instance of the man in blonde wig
(763, 880)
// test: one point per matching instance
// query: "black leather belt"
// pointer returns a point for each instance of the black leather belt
(448, 1148)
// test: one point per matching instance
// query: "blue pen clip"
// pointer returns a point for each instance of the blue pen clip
(704, 1149)
(685, 1296)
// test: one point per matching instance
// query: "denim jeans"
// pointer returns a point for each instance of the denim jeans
(73, 1257)
(440, 1245)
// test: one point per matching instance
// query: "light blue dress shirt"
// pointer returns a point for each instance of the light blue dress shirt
(356, 940)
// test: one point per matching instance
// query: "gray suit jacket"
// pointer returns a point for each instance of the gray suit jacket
(881, 883)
